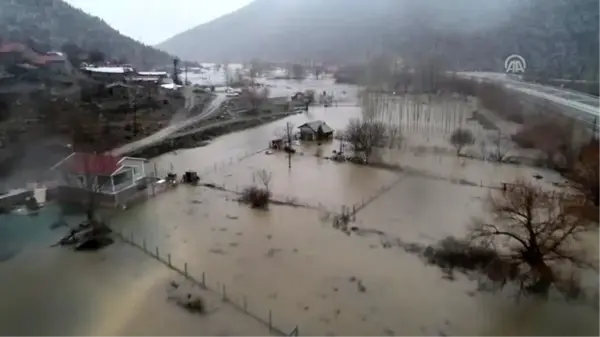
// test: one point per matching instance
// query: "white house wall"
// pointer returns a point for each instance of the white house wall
(138, 165)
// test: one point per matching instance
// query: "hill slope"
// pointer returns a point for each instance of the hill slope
(282, 30)
(50, 24)
(556, 36)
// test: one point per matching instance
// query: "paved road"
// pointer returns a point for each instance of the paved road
(585, 105)
(164, 133)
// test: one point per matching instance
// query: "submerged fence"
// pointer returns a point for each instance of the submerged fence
(219, 165)
(240, 304)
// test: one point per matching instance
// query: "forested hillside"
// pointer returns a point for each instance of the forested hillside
(53, 24)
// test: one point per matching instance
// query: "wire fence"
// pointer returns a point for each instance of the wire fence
(240, 303)
(207, 170)
(230, 161)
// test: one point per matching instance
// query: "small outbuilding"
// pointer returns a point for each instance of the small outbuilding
(315, 131)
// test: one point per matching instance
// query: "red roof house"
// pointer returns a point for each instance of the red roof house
(103, 172)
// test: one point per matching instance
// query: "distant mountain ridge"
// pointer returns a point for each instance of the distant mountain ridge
(557, 37)
(49, 24)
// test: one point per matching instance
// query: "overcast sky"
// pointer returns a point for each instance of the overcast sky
(153, 21)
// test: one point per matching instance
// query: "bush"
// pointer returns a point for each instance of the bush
(451, 253)
(256, 197)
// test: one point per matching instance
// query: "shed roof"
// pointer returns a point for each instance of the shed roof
(314, 126)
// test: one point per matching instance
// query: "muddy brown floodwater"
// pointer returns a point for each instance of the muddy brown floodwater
(288, 259)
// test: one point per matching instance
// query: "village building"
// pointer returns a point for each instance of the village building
(159, 75)
(112, 180)
(109, 74)
(315, 131)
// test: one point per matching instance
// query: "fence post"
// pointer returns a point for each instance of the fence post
(169, 259)
(144, 245)
(203, 280)
(270, 322)
(185, 269)
(157, 256)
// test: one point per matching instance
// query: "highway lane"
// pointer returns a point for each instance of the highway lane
(586, 105)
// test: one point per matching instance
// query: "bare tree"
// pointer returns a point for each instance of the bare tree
(500, 147)
(255, 95)
(553, 136)
(309, 98)
(369, 104)
(318, 70)
(364, 136)
(265, 178)
(297, 71)
(536, 233)
(461, 138)
(394, 135)
(256, 68)
(495, 98)
(133, 93)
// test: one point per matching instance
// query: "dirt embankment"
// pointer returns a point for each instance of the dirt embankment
(203, 138)
(232, 117)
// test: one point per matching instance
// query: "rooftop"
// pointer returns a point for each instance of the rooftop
(93, 164)
(109, 70)
(314, 126)
(152, 73)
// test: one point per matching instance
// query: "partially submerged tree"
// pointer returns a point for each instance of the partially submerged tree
(500, 147)
(536, 234)
(531, 242)
(461, 138)
(258, 197)
(364, 136)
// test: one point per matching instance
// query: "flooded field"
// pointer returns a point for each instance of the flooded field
(289, 260)
(117, 291)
